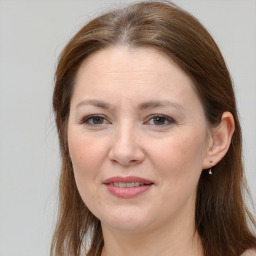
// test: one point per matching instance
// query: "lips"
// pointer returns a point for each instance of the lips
(128, 179)
(127, 187)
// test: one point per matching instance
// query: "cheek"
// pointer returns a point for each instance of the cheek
(179, 164)
(84, 151)
(87, 155)
(181, 149)
(180, 158)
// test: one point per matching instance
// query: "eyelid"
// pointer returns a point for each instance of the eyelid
(167, 118)
(85, 119)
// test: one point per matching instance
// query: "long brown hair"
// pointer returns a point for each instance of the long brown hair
(221, 216)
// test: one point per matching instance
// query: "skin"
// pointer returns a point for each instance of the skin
(129, 140)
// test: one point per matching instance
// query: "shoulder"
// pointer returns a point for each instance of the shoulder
(249, 253)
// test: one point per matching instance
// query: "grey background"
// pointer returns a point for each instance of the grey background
(32, 34)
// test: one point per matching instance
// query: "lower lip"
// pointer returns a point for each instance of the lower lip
(127, 192)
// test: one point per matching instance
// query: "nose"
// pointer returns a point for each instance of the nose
(126, 148)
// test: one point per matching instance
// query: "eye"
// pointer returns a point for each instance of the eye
(94, 120)
(160, 120)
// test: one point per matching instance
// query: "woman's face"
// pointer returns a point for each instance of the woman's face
(137, 137)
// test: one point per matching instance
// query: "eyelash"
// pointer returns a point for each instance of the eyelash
(89, 118)
(165, 118)
(152, 117)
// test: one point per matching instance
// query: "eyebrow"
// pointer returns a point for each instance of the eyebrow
(96, 103)
(142, 106)
(155, 104)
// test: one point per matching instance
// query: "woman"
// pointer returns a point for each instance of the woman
(150, 140)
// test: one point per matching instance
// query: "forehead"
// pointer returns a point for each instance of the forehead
(125, 62)
(133, 73)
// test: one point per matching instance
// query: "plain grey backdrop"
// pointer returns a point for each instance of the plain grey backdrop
(32, 34)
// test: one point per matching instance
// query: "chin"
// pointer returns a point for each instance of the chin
(126, 221)
(126, 227)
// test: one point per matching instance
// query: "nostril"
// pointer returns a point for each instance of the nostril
(123, 162)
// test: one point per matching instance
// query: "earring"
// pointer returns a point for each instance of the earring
(210, 171)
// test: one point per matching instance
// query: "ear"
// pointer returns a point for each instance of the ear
(220, 139)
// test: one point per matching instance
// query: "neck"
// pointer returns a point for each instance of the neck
(177, 240)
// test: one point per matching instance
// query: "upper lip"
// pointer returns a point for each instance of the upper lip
(127, 180)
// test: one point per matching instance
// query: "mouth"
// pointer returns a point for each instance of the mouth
(127, 187)
(127, 184)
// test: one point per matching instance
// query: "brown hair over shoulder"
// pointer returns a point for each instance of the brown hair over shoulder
(222, 219)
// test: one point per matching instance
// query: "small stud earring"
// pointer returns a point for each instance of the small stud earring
(210, 171)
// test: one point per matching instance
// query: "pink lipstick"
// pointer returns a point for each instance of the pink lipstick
(127, 187)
